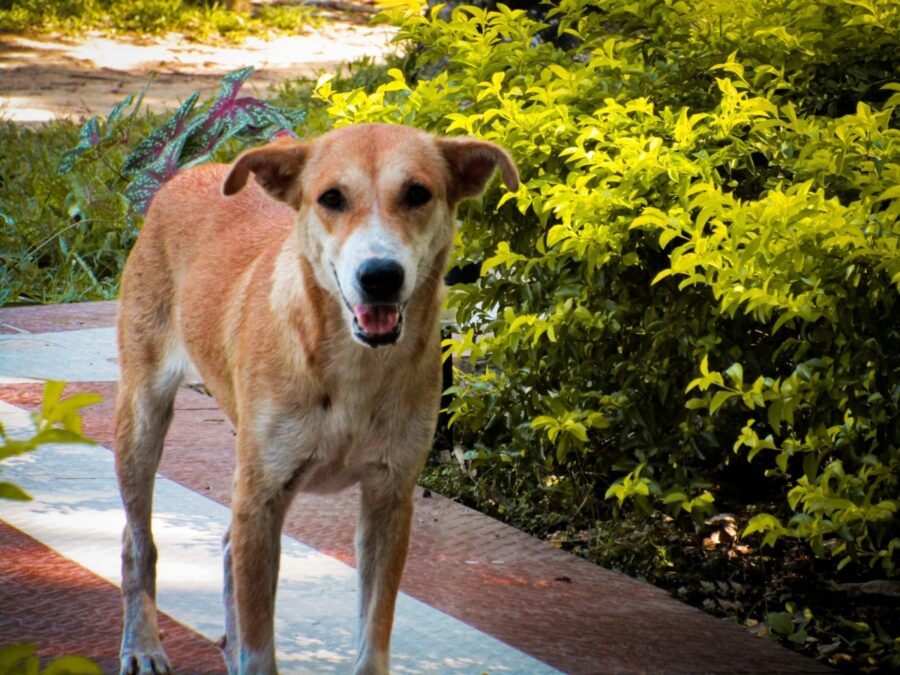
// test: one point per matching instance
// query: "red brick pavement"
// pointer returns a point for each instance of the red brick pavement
(51, 601)
(55, 318)
(559, 608)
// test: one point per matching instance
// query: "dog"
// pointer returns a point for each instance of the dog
(309, 302)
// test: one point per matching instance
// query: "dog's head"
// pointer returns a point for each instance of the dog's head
(376, 207)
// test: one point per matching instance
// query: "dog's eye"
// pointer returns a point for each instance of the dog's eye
(416, 195)
(333, 200)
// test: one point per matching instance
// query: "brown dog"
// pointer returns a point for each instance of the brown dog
(277, 291)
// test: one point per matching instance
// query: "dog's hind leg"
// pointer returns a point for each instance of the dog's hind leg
(382, 541)
(229, 642)
(144, 407)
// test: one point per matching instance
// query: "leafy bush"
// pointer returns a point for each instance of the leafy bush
(691, 306)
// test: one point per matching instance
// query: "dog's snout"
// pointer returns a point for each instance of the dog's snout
(380, 279)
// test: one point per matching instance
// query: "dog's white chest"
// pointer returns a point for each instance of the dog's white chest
(328, 445)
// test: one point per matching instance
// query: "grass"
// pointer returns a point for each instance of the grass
(198, 21)
(62, 238)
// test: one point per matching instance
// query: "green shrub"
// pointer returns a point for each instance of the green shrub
(691, 306)
(653, 238)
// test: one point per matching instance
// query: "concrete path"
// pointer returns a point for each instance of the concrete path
(44, 78)
(479, 596)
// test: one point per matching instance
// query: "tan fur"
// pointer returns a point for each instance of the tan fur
(248, 281)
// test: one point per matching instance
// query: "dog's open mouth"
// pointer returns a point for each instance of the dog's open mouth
(377, 324)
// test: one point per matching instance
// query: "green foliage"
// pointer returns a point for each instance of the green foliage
(20, 659)
(62, 238)
(58, 421)
(199, 21)
(70, 214)
(691, 305)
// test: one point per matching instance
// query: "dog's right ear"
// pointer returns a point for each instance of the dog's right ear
(276, 167)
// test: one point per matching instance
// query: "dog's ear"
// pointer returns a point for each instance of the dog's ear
(276, 167)
(472, 162)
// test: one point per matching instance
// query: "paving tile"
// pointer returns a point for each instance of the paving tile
(48, 600)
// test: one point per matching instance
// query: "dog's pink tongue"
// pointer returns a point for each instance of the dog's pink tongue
(377, 319)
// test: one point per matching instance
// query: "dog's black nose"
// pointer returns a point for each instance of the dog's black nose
(380, 279)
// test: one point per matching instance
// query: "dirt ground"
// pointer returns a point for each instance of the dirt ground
(45, 79)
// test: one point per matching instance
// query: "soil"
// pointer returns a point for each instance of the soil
(43, 79)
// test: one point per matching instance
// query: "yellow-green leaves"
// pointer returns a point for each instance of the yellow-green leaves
(21, 659)
(630, 486)
(503, 257)
(58, 421)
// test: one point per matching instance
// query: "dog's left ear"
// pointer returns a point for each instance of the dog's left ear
(276, 167)
(472, 163)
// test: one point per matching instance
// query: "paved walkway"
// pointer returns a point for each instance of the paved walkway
(478, 596)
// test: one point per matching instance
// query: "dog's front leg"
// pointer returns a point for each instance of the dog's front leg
(382, 541)
(252, 554)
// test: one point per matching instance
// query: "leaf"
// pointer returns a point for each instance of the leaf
(53, 389)
(117, 111)
(89, 138)
(72, 665)
(557, 233)
(780, 622)
(14, 492)
(64, 411)
(15, 655)
(704, 365)
(736, 373)
(718, 399)
(891, 193)
(562, 449)
(543, 421)
(577, 430)
(615, 490)
(140, 191)
(227, 116)
(158, 144)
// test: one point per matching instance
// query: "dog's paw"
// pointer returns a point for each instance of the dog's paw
(228, 654)
(151, 662)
